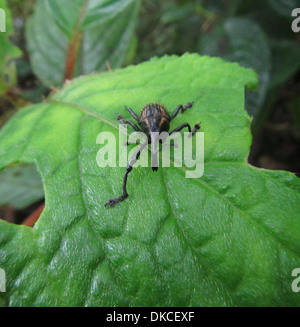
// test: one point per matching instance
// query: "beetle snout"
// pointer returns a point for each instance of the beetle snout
(154, 150)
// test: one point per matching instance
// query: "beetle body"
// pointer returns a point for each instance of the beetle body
(153, 120)
(154, 117)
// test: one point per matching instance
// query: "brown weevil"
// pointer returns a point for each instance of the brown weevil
(153, 119)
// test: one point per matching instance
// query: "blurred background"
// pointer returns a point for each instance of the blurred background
(50, 41)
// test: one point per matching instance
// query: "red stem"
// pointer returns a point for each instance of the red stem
(32, 219)
(73, 47)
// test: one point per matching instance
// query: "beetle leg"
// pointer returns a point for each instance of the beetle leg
(132, 113)
(182, 108)
(196, 128)
(132, 161)
(133, 125)
(180, 127)
(131, 143)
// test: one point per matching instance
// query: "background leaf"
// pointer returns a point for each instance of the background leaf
(20, 186)
(78, 37)
(285, 61)
(242, 40)
(231, 237)
(7, 52)
(284, 8)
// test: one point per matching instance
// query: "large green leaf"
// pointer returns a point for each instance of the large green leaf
(7, 50)
(231, 237)
(69, 38)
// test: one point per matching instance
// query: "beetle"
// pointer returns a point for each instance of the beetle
(154, 117)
